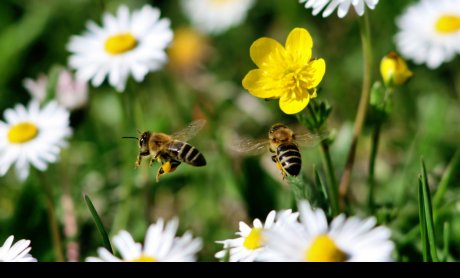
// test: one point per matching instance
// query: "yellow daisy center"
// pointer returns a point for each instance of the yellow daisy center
(120, 43)
(144, 259)
(448, 24)
(22, 132)
(324, 249)
(254, 240)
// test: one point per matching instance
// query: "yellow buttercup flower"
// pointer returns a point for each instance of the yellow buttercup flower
(394, 70)
(288, 73)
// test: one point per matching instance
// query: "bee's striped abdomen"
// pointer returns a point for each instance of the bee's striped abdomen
(187, 153)
(289, 158)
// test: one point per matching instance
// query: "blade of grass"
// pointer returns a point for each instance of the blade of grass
(421, 211)
(324, 189)
(454, 167)
(446, 238)
(428, 214)
(98, 222)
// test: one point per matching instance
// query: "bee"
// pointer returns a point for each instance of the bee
(283, 143)
(170, 150)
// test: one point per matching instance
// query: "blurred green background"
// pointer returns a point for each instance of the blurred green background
(210, 201)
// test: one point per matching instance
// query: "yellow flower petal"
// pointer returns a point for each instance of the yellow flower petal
(298, 46)
(260, 85)
(266, 52)
(292, 105)
(317, 71)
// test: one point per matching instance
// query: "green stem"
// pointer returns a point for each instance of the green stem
(374, 148)
(327, 162)
(54, 227)
(362, 108)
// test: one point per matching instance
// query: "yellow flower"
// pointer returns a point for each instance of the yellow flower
(394, 70)
(288, 73)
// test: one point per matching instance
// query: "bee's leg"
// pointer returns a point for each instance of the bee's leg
(279, 166)
(167, 167)
(139, 158)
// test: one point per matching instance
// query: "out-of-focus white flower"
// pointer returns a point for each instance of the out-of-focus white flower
(71, 92)
(216, 16)
(430, 32)
(37, 88)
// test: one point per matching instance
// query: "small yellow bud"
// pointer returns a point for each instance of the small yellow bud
(394, 70)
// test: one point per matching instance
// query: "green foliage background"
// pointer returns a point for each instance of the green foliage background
(210, 201)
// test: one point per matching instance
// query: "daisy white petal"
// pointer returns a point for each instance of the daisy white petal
(17, 252)
(161, 245)
(342, 6)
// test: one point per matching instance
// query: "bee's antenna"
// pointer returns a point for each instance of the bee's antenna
(130, 137)
(138, 131)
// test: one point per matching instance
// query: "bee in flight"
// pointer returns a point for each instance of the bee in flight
(170, 150)
(284, 144)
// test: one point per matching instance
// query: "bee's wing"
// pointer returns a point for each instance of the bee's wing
(190, 131)
(250, 145)
(307, 138)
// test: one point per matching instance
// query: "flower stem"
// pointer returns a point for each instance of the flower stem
(54, 227)
(362, 108)
(331, 179)
(374, 148)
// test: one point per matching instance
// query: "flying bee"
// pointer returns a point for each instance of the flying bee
(170, 150)
(283, 142)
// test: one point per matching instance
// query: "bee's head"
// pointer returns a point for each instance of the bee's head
(144, 141)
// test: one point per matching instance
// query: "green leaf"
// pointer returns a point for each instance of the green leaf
(98, 222)
(428, 213)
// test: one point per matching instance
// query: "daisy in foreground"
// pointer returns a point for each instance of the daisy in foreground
(18, 252)
(125, 44)
(251, 242)
(342, 6)
(216, 16)
(314, 240)
(161, 245)
(430, 32)
(288, 73)
(32, 136)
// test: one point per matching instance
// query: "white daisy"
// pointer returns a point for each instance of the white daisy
(251, 242)
(161, 245)
(18, 252)
(430, 32)
(125, 44)
(314, 240)
(343, 6)
(32, 136)
(216, 16)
